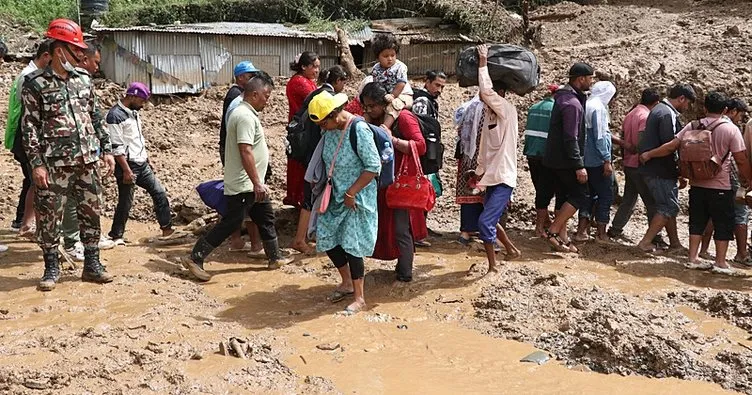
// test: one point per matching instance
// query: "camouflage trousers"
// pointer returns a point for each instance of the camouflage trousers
(80, 183)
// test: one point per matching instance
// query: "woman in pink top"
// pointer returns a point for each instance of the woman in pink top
(634, 185)
(306, 67)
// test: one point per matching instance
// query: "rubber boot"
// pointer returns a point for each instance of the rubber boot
(274, 254)
(195, 265)
(51, 271)
(94, 271)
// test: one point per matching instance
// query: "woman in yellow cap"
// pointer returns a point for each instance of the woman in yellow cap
(346, 230)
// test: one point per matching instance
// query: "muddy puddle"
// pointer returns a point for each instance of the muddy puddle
(155, 331)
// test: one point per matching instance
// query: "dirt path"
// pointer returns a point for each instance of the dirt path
(154, 330)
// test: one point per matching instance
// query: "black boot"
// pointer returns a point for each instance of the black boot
(51, 271)
(94, 271)
(274, 254)
(201, 250)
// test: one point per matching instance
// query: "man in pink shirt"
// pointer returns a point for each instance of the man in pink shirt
(634, 185)
(497, 160)
(713, 198)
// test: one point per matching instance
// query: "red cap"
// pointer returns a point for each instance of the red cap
(67, 31)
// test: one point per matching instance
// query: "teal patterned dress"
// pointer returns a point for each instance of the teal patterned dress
(354, 230)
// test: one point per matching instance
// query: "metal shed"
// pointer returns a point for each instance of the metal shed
(189, 58)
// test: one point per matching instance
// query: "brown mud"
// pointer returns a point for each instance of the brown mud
(615, 320)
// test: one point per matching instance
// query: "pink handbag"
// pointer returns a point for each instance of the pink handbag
(327, 194)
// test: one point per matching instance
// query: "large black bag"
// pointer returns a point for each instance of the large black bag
(433, 160)
(515, 66)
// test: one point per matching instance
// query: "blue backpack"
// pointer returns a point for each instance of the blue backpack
(384, 147)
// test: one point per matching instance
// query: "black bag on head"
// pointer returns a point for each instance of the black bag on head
(515, 66)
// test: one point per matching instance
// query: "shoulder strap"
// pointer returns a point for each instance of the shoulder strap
(354, 135)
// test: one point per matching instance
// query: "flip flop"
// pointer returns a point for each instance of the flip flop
(260, 254)
(349, 311)
(245, 248)
(178, 234)
(338, 295)
(422, 243)
(723, 270)
(465, 242)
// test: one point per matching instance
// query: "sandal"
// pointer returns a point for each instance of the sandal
(556, 243)
(178, 234)
(338, 295)
(349, 310)
(723, 270)
(465, 242)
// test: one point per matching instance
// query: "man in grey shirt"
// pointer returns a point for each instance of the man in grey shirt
(661, 174)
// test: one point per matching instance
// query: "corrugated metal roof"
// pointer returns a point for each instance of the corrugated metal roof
(226, 28)
(360, 37)
(366, 34)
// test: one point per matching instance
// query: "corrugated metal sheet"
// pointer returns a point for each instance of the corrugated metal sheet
(225, 28)
(168, 60)
(185, 68)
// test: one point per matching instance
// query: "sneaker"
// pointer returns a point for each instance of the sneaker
(3, 248)
(119, 241)
(106, 243)
(76, 252)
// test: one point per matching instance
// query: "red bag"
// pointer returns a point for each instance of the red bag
(411, 192)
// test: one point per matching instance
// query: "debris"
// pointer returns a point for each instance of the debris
(236, 349)
(303, 359)
(306, 334)
(37, 384)
(223, 349)
(538, 357)
(197, 356)
(328, 346)
(403, 326)
(733, 31)
(449, 299)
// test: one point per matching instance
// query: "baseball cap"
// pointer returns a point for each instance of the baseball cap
(138, 89)
(581, 70)
(244, 67)
(323, 104)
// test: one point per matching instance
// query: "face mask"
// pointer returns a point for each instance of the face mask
(67, 66)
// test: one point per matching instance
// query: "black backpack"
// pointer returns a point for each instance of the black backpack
(433, 160)
(303, 134)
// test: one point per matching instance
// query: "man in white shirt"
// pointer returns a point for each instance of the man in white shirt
(497, 161)
(133, 169)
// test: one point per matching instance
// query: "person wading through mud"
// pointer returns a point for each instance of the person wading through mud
(497, 161)
(306, 66)
(634, 184)
(661, 173)
(242, 73)
(536, 133)
(426, 103)
(597, 160)
(398, 228)
(736, 110)
(333, 81)
(132, 163)
(346, 229)
(711, 198)
(564, 149)
(25, 222)
(64, 142)
(246, 161)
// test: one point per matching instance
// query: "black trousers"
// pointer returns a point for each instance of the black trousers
(238, 205)
(21, 206)
(146, 179)
(340, 258)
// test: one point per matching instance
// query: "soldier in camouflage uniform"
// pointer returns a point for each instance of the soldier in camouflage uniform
(64, 137)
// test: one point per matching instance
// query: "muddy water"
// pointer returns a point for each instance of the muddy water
(414, 338)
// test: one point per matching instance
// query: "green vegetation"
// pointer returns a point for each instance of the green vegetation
(317, 15)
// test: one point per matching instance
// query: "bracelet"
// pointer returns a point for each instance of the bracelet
(350, 196)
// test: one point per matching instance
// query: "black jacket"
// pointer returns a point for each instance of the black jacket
(565, 145)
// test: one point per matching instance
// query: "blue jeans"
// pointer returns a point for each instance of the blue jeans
(146, 179)
(495, 202)
(601, 195)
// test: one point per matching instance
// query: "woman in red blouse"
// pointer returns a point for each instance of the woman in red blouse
(397, 228)
(306, 67)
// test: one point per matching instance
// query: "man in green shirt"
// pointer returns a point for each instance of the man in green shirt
(246, 160)
(536, 133)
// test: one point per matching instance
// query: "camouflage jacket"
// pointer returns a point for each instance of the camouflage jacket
(62, 124)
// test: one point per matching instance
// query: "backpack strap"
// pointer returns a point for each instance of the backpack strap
(354, 135)
(714, 125)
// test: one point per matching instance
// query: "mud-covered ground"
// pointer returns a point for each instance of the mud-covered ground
(609, 310)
